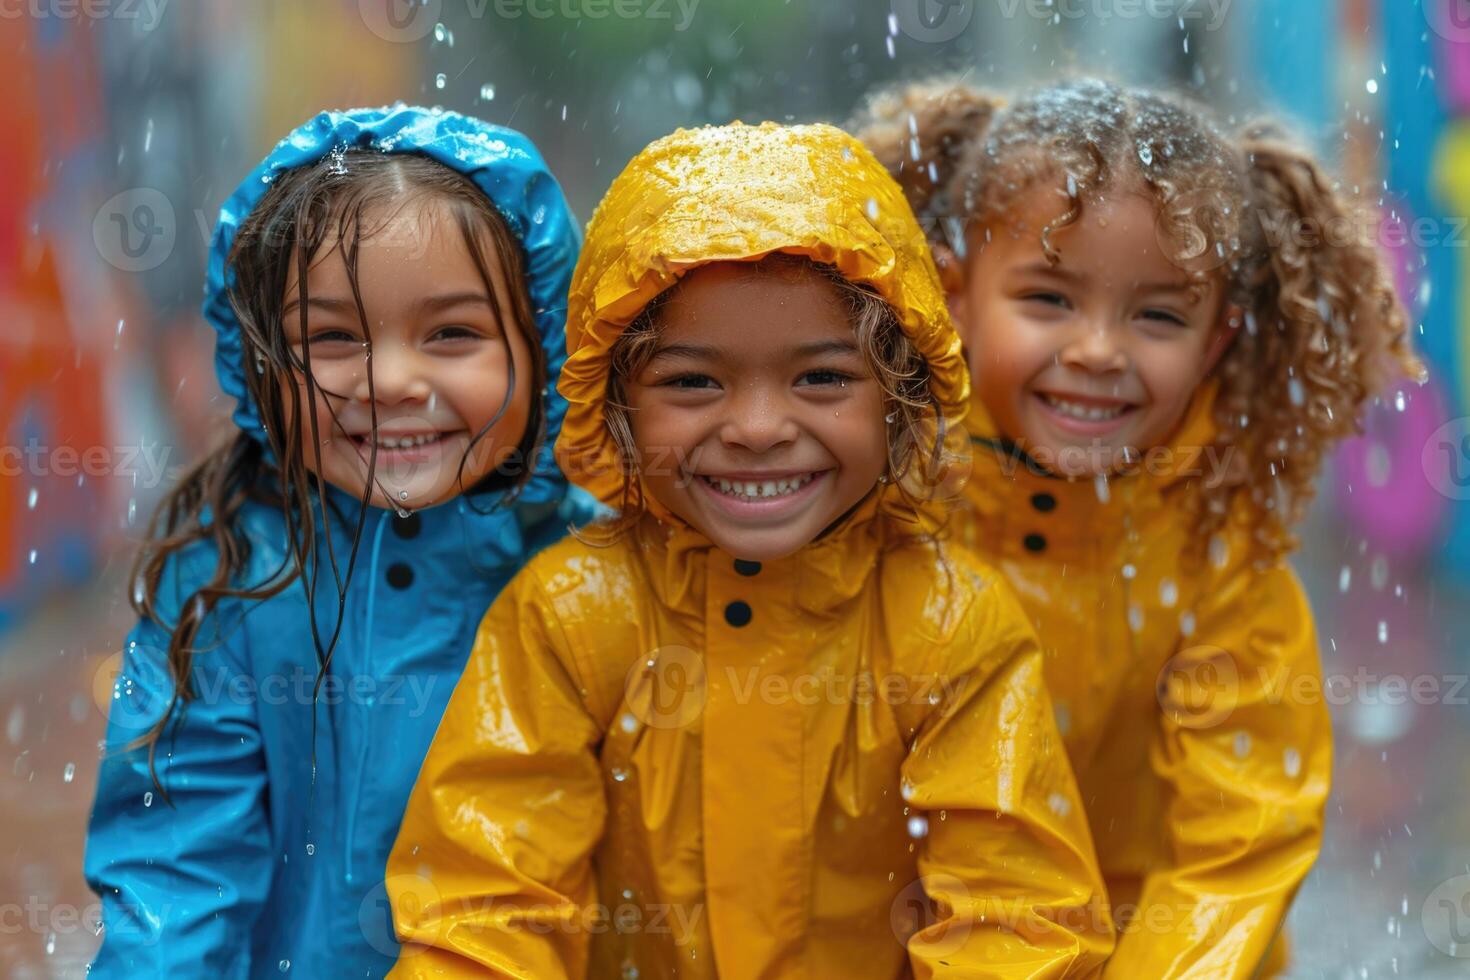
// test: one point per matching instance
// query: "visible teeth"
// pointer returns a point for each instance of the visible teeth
(405, 442)
(1087, 413)
(761, 488)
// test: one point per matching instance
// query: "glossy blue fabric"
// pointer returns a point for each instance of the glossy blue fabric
(258, 866)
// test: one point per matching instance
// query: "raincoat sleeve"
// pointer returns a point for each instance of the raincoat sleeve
(1244, 748)
(1006, 857)
(181, 879)
(491, 873)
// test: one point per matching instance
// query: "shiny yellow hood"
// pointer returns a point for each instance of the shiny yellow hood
(739, 193)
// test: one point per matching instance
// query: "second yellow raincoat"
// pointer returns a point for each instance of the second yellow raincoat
(1187, 686)
(662, 762)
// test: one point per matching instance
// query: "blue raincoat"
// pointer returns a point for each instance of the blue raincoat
(257, 869)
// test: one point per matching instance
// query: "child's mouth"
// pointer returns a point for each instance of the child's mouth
(760, 496)
(1084, 415)
(410, 447)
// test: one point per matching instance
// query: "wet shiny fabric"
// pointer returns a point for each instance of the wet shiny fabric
(663, 762)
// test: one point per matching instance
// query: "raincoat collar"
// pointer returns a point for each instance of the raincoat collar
(739, 193)
(502, 163)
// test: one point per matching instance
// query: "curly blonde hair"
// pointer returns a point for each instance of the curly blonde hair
(1324, 329)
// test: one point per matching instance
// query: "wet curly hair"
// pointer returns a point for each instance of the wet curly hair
(1324, 330)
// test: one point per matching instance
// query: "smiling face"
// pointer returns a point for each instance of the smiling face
(756, 418)
(1089, 361)
(441, 360)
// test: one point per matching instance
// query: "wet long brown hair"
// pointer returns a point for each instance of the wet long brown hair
(1324, 330)
(324, 205)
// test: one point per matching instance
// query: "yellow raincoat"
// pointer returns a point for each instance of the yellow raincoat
(662, 762)
(1188, 690)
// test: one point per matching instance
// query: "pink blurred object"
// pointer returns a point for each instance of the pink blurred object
(1381, 487)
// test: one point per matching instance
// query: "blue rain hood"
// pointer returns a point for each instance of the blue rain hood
(256, 866)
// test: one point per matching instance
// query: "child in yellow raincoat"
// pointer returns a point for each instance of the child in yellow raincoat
(765, 725)
(1167, 327)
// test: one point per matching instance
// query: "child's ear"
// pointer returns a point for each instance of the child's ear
(952, 278)
(1232, 318)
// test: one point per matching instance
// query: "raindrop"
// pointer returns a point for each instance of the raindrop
(440, 80)
(1372, 86)
(440, 32)
(891, 417)
(1383, 631)
(1100, 485)
(33, 556)
(69, 772)
(1344, 579)
(1129, 572)
(403, 495)
(1242, 744)
(148, 798)
(619, 775)
(31, 499)
(1168, 593)
(1219, 551)
(1378, 573)
(1146, 154)
(50, 943)
(1296, 392)
(1135, 618)
(284, 965)
(628, 723)
(1059, 804)
(918, 827)
(1399, 401)
(310, 849)
(1186, 624)
(872, 209)
(1291, 761)
(487, 93)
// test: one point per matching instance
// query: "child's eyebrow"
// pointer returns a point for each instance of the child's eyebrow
(697, 352)
(820, 347)
(427, 304)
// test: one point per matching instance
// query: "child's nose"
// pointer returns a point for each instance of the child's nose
(1097, 347)
(759, 420)
(398, 375)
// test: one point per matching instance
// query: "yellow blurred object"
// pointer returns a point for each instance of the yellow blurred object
(662, 762)
(1188, 688)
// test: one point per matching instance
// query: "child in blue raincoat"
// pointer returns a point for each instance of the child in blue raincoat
(388, 292)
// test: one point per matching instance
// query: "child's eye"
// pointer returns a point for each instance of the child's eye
(689, 382)
(454, 332)
(825, 378)
(1048, 298)
(1164, 316)
(333, 337)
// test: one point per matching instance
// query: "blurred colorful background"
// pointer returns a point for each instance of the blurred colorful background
(126, 122)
